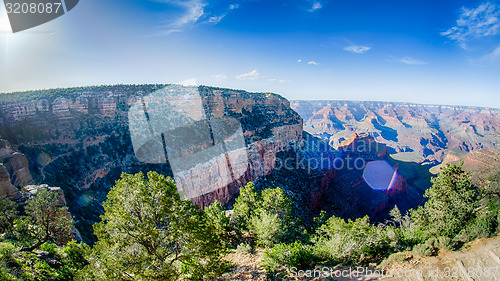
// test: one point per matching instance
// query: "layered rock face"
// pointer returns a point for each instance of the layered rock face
(14, 171)
(79, 138)
(416, 133)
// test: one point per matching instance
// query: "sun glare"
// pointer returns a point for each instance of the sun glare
(4, 22)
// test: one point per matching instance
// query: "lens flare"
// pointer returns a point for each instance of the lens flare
(380, 175)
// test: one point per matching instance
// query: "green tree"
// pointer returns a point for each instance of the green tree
(217, 219)
(349, 240)
(245, 204)
(451, 204)
(46, 220)
(8, 213)
(271, 220)
(148, 233)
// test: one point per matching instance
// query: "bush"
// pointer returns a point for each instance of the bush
(482, 227)
(266, 215)
(424, 250)
(451, 204)
(6, 252)
(287, 256)
(244, 248)
(8, 212)
(350, 241)
(267, 228)
(396, 257)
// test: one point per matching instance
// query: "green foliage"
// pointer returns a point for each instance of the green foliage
(266, 215)
(217, 220)
(57, 265)
(267, 227)
(8, 213)
(245, 204)
(396, 216)
(148, 233)
(288, 255)
(244, 248)
(482, 226)
(424, 250)
(45, 221)
(350, 241)
(6, 251)
(451, 204)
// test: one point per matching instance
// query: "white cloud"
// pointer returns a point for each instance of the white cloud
(233, 7)
(316, 6)
(475, 23)
(357, 49)
(313, 63)
(279, 80)
(299, 60)
(193, 11)
(216, 19)
(219, 76)
(252, 75)
(492, 57)
(411, 61)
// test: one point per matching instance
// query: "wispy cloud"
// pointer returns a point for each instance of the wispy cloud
(315, 6)
(299, 60)
(252, 75)
(474, 23)
(193, 10)
(492, 57)
(216, 19)
(279, 80)
(357, 49)
(313, 63)
(219, 76)
(411, 61)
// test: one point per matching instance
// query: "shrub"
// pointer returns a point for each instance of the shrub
(288, 255)
(6, 251)
(451, 204)
(267, 228)
(266, 215)
(350, 241)
(482, 227)
(244, 248)
(424, 250)
(8, 212)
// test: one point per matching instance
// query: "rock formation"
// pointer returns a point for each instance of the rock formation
(79, 138)
(14, 170)
(412, 132)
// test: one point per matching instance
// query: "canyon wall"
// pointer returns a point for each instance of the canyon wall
(79, 138)
(412, 132)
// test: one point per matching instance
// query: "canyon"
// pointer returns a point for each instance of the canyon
(81, 140)
(412, 132)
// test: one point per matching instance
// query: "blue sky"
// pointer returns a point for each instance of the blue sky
(439, 52)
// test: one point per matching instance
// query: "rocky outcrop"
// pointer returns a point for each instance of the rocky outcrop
(14, 170)
(6, 187)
